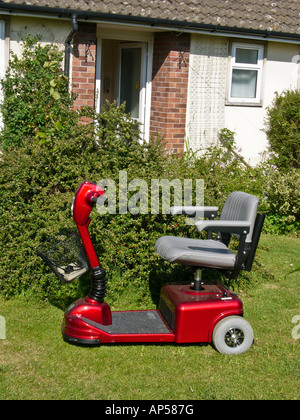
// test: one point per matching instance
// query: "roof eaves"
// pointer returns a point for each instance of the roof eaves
(155, 23)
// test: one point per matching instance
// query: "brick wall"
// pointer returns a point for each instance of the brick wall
(169, 88)
(84, 65)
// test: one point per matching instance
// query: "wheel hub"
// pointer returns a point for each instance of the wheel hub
(234, 337)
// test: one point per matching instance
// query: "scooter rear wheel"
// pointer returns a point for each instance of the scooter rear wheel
(232, 335)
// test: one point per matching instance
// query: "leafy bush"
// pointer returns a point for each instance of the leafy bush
(36, 102)
(39, 173)
(283, 128)
(283, 197)
(279, 196)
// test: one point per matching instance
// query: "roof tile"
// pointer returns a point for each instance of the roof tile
(282, 16)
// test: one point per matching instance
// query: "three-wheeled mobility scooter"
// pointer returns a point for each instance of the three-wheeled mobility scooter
(187, 313)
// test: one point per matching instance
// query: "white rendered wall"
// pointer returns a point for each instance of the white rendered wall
(51, 31)
(280, 73)
(207, 112)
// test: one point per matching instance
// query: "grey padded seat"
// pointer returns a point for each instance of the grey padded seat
(195, 252)
(238, 217)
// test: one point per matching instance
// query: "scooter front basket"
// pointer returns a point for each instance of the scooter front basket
(65, 255)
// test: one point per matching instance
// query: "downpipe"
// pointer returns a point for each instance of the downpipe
(68, 44)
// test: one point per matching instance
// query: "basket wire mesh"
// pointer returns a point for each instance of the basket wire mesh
(65, 255)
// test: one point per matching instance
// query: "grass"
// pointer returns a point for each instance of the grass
(35, 363)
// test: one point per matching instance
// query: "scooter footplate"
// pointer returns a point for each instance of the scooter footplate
(133, 322)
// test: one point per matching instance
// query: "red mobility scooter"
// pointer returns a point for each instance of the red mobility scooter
(193, 313)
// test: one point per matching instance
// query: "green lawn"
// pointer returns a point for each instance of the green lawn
(35, 363)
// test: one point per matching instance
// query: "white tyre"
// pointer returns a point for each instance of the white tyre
(232, 335)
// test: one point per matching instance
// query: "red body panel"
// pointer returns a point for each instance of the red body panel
(195, 314)
(80, 331)
(79, 324)
(88, 308)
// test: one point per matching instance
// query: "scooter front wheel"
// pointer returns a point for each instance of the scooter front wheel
(232, 335)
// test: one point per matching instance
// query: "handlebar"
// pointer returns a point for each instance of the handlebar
(85, 198)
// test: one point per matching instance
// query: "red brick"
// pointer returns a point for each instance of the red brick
(84, 65)
(79, 79)
(169, 88)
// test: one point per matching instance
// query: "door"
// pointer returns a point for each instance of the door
(132, 78)
(123, 74)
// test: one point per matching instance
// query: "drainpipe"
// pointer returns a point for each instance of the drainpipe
(68, 44)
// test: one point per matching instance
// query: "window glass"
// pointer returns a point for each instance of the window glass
(246, 56)
(130, 79)
(243, 83)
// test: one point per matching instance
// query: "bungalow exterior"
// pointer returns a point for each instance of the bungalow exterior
(186, 69)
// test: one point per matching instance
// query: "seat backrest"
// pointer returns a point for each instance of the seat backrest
(241, 206)
(260, 218)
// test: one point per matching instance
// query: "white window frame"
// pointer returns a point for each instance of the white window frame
(257, 101)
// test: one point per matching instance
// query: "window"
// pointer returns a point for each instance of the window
(245, 74)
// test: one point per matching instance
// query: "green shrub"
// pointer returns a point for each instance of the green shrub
(283, 128)
(37, 102)
(46, 153)
(283, 198)
(279, 197)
